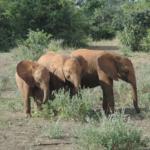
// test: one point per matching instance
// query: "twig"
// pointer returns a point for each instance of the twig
(52, 143)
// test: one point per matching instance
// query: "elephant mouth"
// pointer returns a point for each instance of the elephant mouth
(123, 77)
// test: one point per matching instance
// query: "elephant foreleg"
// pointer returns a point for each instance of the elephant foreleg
(27, 106)
(27, 103)
(26, 92)
(108, 95)
(108, 99)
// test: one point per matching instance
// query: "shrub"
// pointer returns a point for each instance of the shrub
(112, 133)
(33, 47)
(135, 27)
(145, 43)
(79, 107)
(55, 45)
(60, 18)
(99, 17)
(7, 36)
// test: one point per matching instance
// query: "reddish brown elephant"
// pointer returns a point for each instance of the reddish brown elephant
(101, 68)
(33, 81)
(55, 63)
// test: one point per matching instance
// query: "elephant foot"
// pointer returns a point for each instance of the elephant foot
(109, 110)
(28, 115)
(137, 109)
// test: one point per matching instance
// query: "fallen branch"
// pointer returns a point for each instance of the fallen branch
(51, 143)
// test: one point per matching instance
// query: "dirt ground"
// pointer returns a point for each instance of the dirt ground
(20, 133)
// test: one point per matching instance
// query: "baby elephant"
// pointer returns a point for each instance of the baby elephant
(33, 81)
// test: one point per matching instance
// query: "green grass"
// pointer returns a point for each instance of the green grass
(113, 133)
(11, 105)
(53, 130)
(79, 108)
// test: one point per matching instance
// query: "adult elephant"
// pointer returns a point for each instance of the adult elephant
(101, 68)
(33, 81)
(55, 63)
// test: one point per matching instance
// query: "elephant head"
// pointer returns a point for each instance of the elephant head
(34, 75)
(120, 67)
(72, 71)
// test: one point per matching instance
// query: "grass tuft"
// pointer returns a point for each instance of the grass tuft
(113, 133)
(53, 131)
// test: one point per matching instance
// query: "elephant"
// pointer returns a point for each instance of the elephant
(101, 68)
(54, 62)
(32, 81)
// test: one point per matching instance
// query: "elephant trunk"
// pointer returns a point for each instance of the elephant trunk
(77, 85)
(134, 96)
(46, 94)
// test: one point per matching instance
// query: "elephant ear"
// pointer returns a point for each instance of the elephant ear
(25, 70)
(106, 63)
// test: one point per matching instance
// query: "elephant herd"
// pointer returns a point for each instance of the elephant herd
(82, 68)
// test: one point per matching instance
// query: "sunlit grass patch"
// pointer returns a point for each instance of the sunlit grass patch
(113, 133)
(54, 130)
(11, 105)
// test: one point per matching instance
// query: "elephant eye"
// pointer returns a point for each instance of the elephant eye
(68, 76)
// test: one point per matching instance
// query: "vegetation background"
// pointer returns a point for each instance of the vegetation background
(28, 28)
(76, 21)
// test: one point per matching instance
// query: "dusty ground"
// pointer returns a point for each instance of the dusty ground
(19, 133)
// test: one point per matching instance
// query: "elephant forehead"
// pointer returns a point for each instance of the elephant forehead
(70, 63)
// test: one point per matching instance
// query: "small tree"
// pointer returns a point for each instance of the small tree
(33, 47)
(135, 24)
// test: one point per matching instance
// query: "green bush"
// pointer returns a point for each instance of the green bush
(112, 133)
(60, 18)
(7, 36)
(145, 43)
(55, 45)
(135, 27)
(77, 108)
(99, 17)
(33, 47)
